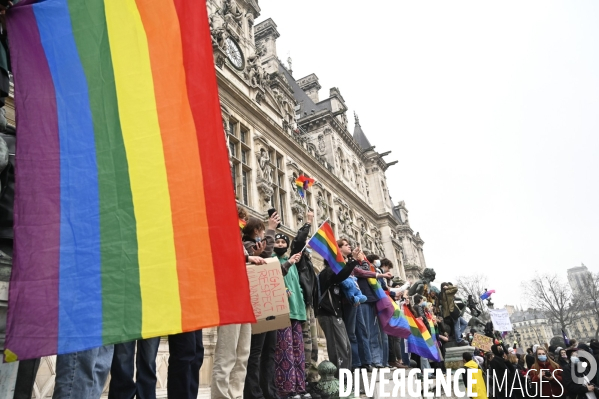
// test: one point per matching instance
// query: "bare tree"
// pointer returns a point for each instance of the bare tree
(589, 301)
(475, 285)
(554, 297)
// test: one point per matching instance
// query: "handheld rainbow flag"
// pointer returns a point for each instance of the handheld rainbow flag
(242, 224)
(392, 321)
(124, 198)
(303, 183)
(325, 244)
(420, 340)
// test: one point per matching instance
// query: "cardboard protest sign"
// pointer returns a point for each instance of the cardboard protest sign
(268, 296)
(482, 342)
(501, 319)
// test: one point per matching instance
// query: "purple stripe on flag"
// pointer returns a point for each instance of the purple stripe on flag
(37, 196)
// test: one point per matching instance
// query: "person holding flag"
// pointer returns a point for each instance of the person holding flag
(329, 307)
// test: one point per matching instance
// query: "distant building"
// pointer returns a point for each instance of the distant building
(576, 279)
(533, 326)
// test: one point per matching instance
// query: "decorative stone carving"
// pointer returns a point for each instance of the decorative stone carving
(265, 170)
(299, 211)
(378, 244)
(218, 29)
(323, 208)
(295, 197)
(231, 12)
(266, 192)
(220, 61)
(321, 144)
(259, 97)
(345, 221)
(254, 73)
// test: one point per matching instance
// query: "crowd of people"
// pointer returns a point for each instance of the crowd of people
(544, 371)
(276, 364)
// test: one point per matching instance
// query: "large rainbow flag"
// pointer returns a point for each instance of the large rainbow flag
(325, 244)
(420, 340)
(392, 321)
(124, 209)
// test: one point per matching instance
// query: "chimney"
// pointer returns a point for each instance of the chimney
(310, 86)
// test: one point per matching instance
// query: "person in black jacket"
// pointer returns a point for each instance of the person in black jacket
(579, 387)
(500, 369)
(308, 282)
(329, 307)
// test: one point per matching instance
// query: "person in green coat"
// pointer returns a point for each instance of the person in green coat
(290, 362)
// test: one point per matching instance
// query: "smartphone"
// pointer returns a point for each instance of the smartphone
(270, 212)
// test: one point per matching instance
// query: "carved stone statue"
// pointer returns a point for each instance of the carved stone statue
(476, 324)
(266, 192)
(218, 29)
(322, 207)
(321, 144)
(344, 220)
(265, 171)
(230, 10)
(428, 276)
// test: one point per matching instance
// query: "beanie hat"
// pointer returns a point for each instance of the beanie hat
(283, 237)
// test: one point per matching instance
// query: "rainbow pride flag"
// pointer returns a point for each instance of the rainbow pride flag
(392, 321)
(325, 244)
(420, 340)
(302, 184)
(242, 224)
(123, 207)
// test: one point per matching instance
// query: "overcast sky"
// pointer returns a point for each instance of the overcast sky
(491, 109)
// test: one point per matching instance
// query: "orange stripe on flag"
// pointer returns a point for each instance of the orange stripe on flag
(199, 307)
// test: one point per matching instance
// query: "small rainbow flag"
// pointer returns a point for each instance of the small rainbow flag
(303, 183)
(325, 244)
(242, 223)
(420, 340)
(392, 320)
(123, 207)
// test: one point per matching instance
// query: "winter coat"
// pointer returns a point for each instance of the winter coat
(574, 389)
(501, 369)
(553, 388)
(297, 309)
(330, 292)
(478, 382)
(448, 300)
(364, 285)
(269, 236)
(305, 268)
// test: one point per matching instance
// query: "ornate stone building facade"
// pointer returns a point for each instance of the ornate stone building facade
(278, 127)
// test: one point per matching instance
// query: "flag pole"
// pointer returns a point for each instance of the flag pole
(322, 224)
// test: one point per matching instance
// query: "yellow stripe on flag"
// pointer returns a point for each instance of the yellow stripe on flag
(161, 307)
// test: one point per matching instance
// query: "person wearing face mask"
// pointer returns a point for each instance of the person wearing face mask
(581, 387)
(308, 283)
(547, 375)
(290, 361)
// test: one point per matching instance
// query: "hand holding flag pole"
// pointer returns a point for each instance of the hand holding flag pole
(311, 238)
(303, 183)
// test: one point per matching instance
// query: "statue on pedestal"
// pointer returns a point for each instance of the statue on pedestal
(419, 287)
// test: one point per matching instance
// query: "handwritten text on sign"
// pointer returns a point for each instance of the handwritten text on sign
(501, 319)
(267, 291)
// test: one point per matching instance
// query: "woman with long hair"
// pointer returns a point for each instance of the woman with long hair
(547, 375)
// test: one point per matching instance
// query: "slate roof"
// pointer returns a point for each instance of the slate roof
(305, 102)
(360, 137)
